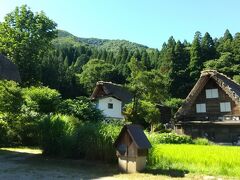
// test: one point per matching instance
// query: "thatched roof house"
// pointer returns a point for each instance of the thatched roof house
(8, 70)
(211, 109)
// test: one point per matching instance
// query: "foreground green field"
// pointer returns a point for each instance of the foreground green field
(197, 159)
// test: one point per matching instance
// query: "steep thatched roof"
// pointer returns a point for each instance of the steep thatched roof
(8, 70)
(106, 89)
(228, 85)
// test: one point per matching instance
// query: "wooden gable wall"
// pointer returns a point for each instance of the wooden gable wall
(212, 105)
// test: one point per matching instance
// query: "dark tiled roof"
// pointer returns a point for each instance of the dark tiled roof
(137, 135)
(111, 89)
(8, 70)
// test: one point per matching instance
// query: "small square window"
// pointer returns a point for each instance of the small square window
(211, 93)
(110, 105)
(201, 108)
(225, 107)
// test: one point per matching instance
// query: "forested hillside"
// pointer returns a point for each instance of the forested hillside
(180, 62)
(73, 65)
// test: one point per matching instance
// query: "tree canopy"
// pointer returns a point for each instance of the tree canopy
(24, 38)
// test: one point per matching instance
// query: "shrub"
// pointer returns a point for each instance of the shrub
(26, 127)
(96, 140)
(169, 138)
(201, 141)
(41, 99)
(59, 135)
(10, 98)
(3, 133)
(66, 136)
(82, 108)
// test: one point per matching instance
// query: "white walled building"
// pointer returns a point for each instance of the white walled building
(111, 98)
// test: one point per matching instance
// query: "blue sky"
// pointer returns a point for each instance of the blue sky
(149, 22)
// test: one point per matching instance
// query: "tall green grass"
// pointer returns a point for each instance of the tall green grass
(199, 159)
(66, 136)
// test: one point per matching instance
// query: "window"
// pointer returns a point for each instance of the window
(225, 107)
(201, 108)
(110, 105)
(211, 93)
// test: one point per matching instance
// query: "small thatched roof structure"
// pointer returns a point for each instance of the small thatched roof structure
(228, 85)
(8, 70)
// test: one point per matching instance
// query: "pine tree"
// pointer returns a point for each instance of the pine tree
(179, 74)
(167, 57)
(196, 62)
(145, 60)
(208, 47)
(227, 35)
(225, 43)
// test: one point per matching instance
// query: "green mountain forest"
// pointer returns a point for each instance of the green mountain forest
(179, 62)
(73, 65)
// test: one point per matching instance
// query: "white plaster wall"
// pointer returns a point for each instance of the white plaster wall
(116, 112)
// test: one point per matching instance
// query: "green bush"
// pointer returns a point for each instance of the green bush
(201, 141)
(59, 135)
(82, 108)
(41, 99)
(26, 126)
(169, 138)
(10, 98)
(3, 133)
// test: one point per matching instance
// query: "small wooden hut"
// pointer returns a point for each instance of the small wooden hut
(132, 148)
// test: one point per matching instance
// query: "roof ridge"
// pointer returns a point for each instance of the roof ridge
(229, 78)
(214, 72)
(108, 82)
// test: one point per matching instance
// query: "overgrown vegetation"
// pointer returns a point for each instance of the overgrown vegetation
(66, 136)
(22, 110)
(173, 138)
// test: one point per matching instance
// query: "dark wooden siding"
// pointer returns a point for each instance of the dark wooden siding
(212, 105)
(214, 132)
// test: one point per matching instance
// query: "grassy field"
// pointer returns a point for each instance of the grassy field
(210, 160)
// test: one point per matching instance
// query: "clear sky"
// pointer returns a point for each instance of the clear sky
(148, 22)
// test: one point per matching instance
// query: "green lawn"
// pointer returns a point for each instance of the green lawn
(197, 159)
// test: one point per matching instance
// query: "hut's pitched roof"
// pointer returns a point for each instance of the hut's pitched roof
(8, 70)
(228, 85)
(106, 89)
(137, 135)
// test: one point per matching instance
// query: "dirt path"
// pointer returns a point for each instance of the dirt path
(20, 165)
